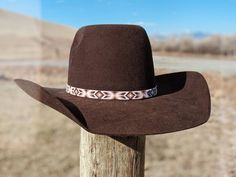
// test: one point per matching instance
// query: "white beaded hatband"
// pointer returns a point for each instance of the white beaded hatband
(112, 95)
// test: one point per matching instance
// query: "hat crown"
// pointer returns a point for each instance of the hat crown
(111, 57)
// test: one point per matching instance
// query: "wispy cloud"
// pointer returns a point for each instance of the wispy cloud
(144, 24)
(187, 30)
(151, 27)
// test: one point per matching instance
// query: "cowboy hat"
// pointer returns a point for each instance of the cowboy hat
(112, 89)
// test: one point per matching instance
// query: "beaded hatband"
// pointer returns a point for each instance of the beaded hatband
(112, 95)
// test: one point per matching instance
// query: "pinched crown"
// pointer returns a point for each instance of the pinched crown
(111, 57)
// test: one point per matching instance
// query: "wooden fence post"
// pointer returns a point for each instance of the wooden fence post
(105, 156)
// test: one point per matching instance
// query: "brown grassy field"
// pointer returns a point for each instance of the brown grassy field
(38, 141)
(213, 45)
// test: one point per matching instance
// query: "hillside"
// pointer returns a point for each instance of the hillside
(25, 37)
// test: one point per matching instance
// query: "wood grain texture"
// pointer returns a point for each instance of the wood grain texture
(104, 156)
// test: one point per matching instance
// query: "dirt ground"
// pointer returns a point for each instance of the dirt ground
(37, 141)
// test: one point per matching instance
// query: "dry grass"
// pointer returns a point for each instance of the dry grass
(212, 45)
(38, 141)
(25, 37)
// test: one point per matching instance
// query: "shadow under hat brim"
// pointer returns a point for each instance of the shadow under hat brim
(183, 102)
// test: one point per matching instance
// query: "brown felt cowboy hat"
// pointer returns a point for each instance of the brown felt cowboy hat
(112, 89)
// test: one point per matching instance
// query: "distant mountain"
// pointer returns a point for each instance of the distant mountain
(23, 37)
(195, 35)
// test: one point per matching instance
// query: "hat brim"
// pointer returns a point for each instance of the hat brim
(183, 102)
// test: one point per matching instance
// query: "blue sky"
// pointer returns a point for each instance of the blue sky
(157, 16)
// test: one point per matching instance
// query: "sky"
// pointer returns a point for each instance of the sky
(156, 16)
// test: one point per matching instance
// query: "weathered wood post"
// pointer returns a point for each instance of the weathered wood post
(104, 156)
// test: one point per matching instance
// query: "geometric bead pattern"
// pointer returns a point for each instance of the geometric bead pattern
(112, 95)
